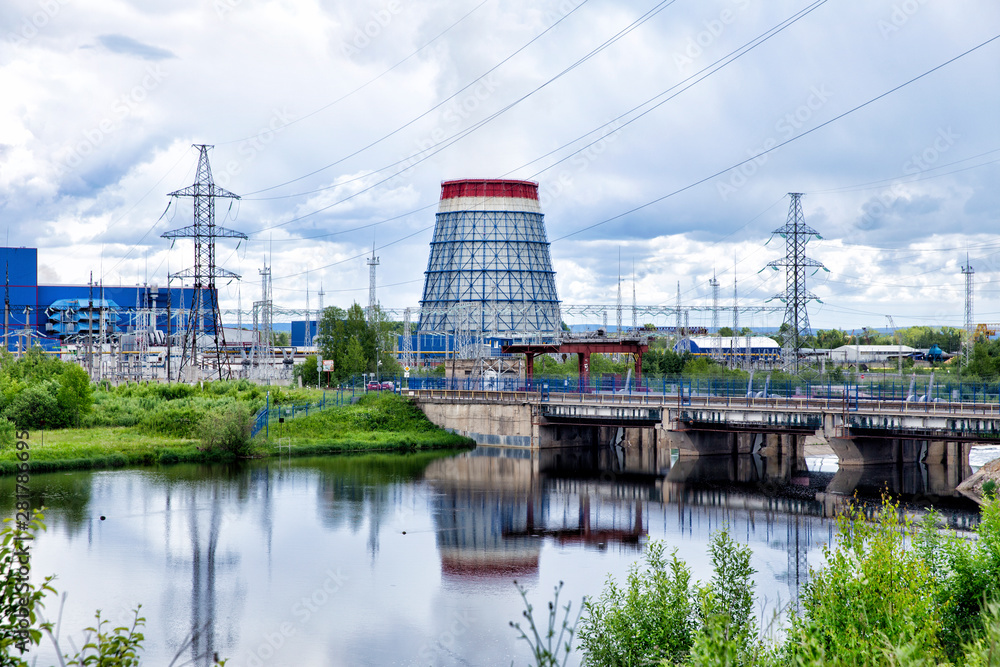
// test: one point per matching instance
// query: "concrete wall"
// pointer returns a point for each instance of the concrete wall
(505, 424)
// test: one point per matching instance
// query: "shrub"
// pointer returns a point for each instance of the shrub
(18, 596)
(650, 619)
(308, 371)
(36, 407)
(227, 429)
(971, 578)
(74, 395)
(8, 433)
(545, 652)
(731, 587)
(873, 593)
(180, 419)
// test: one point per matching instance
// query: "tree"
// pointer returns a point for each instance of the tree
(308, 370)
(725, 331)
(281, 338)
(352, 361)
(74, 395)
(337, 329)
(376, 342)
(329, 331)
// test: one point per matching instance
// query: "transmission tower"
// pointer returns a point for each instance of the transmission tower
(678, 324)
(205, 322)
(618, 309)
(796, 234)
(736, 323)
(407, 338)
(372, 263)
(714, 284)
(262, 353)
(635, 309)
(319, 313)
(970, 326)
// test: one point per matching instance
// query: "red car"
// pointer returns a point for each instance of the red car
(373, 386)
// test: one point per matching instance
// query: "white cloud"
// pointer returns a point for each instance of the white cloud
(93, 136)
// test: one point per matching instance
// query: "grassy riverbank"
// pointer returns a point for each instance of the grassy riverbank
(166, 430)
(377, 422)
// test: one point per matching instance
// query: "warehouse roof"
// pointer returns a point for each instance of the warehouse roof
(729, 342)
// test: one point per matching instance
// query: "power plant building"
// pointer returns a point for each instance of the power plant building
(52, 315)
(489, 273)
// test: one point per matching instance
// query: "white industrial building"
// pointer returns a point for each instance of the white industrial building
(868, 354)
(761, 349)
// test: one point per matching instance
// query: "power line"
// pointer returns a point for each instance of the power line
(362, 86)
(445, 143)
(711, 69)
(436, 106)
(777, 146)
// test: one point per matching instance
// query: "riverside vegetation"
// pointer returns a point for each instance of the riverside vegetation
(76, 424)
(889, 593)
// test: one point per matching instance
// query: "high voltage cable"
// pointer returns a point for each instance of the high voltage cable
(754, 157)
(461, 134)
(860, 187)
(783, 143)
(425, 155)
(362, 86)
(436, 106)
(130, 209)
(351, 259)
(445, 143)
(725, 60)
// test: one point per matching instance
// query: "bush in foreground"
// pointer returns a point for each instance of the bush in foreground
(227, 430)
(890, 594)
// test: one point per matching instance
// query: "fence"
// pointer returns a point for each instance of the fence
(917, 389)
(263, 418)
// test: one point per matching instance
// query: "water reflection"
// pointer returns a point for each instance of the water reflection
(492, 509)
(421, 548)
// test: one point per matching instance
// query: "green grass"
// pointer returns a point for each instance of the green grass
(381, 421)
(109, 447)
(377, 423)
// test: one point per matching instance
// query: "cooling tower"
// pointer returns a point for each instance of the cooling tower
(489, 267)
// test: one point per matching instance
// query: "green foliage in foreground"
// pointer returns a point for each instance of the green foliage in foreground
(889, 594)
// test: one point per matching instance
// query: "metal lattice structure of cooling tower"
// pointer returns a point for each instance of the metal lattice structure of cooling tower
(489, 269)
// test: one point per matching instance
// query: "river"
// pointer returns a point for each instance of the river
(403, 559)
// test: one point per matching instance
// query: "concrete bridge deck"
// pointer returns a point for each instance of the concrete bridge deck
(860, 431)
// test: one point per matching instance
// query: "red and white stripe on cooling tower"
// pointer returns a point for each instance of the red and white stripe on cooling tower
(483, 194)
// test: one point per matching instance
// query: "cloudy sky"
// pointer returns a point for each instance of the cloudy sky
(336, 121)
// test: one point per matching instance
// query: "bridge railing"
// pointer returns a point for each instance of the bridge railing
(882, 389)
(684, 397)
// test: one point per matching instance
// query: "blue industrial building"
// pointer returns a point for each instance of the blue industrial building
(299, 337)
(64, 313)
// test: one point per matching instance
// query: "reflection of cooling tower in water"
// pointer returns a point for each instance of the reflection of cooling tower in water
(489, 267)
(484, 513)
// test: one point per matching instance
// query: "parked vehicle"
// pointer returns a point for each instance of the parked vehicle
(373, 386)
